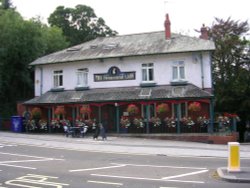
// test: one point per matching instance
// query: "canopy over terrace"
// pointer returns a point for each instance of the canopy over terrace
(119, 98)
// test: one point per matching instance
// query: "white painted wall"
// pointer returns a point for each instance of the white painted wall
(162, 71)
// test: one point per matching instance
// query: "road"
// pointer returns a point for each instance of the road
(33, 166)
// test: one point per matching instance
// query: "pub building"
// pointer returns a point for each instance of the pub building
(156, 82)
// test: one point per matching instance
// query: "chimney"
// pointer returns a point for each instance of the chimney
(167, 28)
(204, 32)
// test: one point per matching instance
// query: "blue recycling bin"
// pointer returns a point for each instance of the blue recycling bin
(16, 124)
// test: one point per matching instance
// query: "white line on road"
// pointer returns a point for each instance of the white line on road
(149, 179)
(182, 175)
(155, 166)
(18, 166)
(20, 155)
(100, 168)
(24, 161)
(102, 182)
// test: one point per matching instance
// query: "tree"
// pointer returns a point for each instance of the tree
(79, 24)
(5, 4)
(21, 43)
(230, 66)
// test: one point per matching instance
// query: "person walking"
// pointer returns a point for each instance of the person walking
(103, 132)
(97, 132)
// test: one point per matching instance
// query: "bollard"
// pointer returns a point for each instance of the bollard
(233, 157)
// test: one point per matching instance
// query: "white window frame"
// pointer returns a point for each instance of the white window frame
(82, 77)
(58, 78)
(146, 68)
(177, 73)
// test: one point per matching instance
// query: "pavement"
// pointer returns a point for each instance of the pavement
(136, 146)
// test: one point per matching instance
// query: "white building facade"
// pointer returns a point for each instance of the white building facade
(161, 74)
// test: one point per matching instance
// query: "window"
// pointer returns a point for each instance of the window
(148, 72)
(82, 78)
(178, 70)
(58, 78)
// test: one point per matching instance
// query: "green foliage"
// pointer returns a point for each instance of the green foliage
(79, 24)
(22, 42)
(5, 4)
(231, 66)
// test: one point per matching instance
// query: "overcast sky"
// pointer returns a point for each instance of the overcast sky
(136, 16)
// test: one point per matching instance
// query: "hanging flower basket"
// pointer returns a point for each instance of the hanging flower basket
(85, 109)
(132, 109)
(162, 108)
(60, 110)
(194, 107)
(36, 113)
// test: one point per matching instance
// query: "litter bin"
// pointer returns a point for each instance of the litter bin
(16, 124)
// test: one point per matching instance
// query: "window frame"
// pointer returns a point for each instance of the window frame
(177, 73)
(58, 78)
(84, 82)
(147, 69)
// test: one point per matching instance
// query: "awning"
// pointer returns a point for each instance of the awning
(166, 92)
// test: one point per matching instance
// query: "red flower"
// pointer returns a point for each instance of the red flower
(132, 109)
(194, 107)
(60, 110)
(162, 108)
(85, 109)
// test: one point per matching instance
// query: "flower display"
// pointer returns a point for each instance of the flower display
(60, 110)
(55, 123)
(138, 122)
(194, 107)
(156, 121)
(170, 122)
(36, 113)
(187, 121)
(43, 124)
(125, 122)
(85, 109)
(79, 122)
(132, 109)
(162, 108)
(225, 120)
(202, 121)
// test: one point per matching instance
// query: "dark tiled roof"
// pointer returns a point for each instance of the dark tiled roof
(121, 94)
(128, 45)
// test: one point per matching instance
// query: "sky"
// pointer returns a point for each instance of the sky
(139, 16)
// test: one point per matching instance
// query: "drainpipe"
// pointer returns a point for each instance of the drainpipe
(202, 71)
(41, 81)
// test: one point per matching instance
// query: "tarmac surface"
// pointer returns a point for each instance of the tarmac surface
(139, 146)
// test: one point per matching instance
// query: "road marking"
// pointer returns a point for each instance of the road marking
(38, 159)
(20, 155)
(168, 187)
(24, 161)
(18, 166)
(100, 168)
(102, 182)
(1, 186)
(155, 166)
(149, 179)
(35, 179)
(186, 174)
